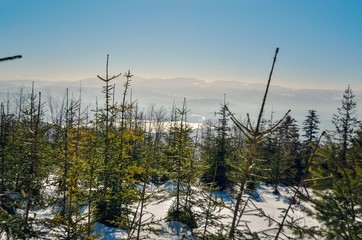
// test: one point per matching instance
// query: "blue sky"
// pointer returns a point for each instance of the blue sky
(320, 41)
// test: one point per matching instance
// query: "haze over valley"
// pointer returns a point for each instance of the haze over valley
(203, 98)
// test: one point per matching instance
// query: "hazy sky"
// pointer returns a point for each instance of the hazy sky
(320, 41)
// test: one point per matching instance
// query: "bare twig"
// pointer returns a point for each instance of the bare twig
(10, 58)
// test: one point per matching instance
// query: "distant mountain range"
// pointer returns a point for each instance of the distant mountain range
(203, 98)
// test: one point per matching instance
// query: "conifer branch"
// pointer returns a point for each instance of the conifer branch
(249, 125)
(10, 58)
(275, 126)
(244, 129)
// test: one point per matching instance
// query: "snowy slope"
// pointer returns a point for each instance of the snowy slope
(272, 205)
(262, 204)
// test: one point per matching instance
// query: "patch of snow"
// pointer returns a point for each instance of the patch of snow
(171, 186)
(109, 233)
(225, 196)
(175, 230)
(262, 202)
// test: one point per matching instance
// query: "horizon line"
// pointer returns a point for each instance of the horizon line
(182, 77)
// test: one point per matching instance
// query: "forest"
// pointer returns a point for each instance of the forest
(103, 164)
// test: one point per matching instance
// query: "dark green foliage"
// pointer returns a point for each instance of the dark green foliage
(116, 138)
(338, 194)
(310, 130)
(15, 226)
(346, 122)
(5, 128)
(184, 215)
(290, 151)
(24, 159)
(75, 173)
(311, 127)
(356, 149)
(215, 152)
(65, 154)
(281, 154)
(183, 172)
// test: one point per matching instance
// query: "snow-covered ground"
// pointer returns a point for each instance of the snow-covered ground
(263, 214)
(263, 199)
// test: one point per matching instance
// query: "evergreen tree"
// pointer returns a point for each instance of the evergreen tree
(208, 201)
(310, 130)
(28, 153)
(128, 143)
(116, 174)
(92, 162)
(310, 127)
(356, 149)
(338, 191)
(280, 154)
(106, 126)
(346, 122)
(14, 169)
(70, 221)
(7, 207)
(180, 153)
(290, 146)
(216, 151)
(5, 127)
